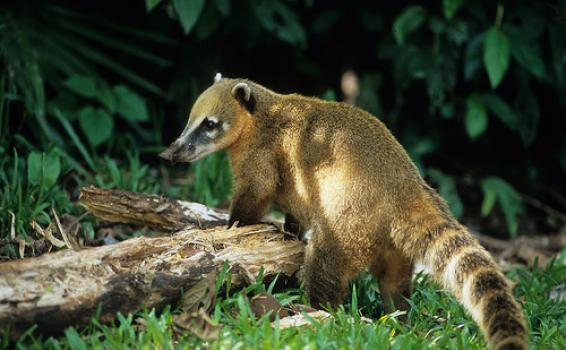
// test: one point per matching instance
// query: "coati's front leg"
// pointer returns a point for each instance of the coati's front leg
(249, 206)
(253, 195)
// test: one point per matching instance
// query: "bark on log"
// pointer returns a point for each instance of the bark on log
(155, 211)
(68, 287)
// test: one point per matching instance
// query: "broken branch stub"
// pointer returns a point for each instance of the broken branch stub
(155, 211)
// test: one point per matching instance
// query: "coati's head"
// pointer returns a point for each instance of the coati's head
(216, 120)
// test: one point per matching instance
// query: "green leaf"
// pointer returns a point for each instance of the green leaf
(82, 85)
(223, 7)
(501, 110)
(96, 125)
(529, 56)
(74, 339)
(329, 95)
(74, 137)
(498, 190)
(209, 22)
(188, 12)
(488, 203)
(105, 95)
(35, 165)
(449, 7)
(129, 104)
(51, 169)
(526, 53)
(407, 22)
(476, 116)
(278, 18)
(43, 169)
(496, 55)
(447, 189)
(150, 4)
(473, 56)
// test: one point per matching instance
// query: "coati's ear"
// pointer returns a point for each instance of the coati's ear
(242, 93)
(217, 77)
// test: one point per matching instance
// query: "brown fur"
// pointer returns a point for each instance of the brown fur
(340, 173)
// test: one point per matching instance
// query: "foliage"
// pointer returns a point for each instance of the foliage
(495, 189)
(472, 89)
(29, 190)
(437, 321)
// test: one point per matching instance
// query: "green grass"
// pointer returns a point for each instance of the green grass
(436, 322)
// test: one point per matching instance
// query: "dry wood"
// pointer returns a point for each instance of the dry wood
(154, 211)
(69, 287)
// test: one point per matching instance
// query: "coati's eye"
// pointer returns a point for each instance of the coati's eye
(209, 123)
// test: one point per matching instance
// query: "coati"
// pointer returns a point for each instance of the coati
(341, 174)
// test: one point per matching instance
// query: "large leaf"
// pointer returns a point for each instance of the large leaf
(96, 124)
(496, 55)
(447, 189)
(527, 54)
(150, 4)
(35, 168)
(209, 21)
(106, 96)
(278, 18)
(223, 7)
(83, 85)
(476, 116)
(188, 12)
(407, 22)
(473, 56)
(501, 110)
(449, 7)
(43, 169)
(129, 104)
(498, 190)
(74, 339)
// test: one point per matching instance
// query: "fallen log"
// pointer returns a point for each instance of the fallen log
(69, 287)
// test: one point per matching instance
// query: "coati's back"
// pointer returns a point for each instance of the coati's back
(421, 224)
(316, 133)
(337, 169)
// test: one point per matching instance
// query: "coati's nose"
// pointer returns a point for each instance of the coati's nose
(169, 152)
(167, 155)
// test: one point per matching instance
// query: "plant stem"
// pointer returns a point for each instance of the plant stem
(499, 15)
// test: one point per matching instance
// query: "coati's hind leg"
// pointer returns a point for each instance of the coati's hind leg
(393, 272)
(325, 275)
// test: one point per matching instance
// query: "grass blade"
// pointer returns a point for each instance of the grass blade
(75, 138)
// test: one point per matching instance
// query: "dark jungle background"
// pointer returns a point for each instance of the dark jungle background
(92, 91)
(475, 90)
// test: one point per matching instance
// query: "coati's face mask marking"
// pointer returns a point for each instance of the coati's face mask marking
(214, 123)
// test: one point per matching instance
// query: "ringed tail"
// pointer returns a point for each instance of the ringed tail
(461, 265)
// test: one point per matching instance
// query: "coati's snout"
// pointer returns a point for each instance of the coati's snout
(215, 121)
(196, 141)
(178, 152)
